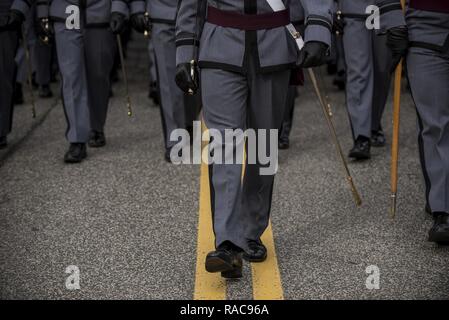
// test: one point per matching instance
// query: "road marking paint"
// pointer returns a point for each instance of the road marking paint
(208, 286)
(267, 284)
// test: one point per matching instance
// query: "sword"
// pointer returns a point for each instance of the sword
(146, 33)
(30, 71)
(125, 75)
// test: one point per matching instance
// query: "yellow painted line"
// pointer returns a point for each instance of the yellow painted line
(267, 284)
(266, 277)
(208, 286)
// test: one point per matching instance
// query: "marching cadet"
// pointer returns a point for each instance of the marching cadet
(85, 51)
(427, 41)
(12, 16)
(175, 108)
(368, 65)
(245, 57)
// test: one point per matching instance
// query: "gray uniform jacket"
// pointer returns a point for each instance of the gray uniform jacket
(164, 11)
(95, 12)
(19, 5)
(390, 11)
(225, 48)
(428, 27)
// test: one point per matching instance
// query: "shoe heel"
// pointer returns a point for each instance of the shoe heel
(233, 274)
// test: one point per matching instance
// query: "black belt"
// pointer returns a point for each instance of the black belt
(425, 45)
(249, 22)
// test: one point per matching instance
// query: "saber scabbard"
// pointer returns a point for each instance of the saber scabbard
(30, 71)
(328, 116)
(125, 75)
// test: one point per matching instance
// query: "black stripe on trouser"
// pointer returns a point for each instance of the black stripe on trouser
(62, 95)
(422, 157)
(161, 109)
(212, 196)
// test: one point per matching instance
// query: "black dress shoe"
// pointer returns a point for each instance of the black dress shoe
(227, 259)
(97, 139)
(45, 92)
(440, 230)
(256, 252)
(361, 149)
(76, 153)
(378, 139)
(284, 145)
(3, 142)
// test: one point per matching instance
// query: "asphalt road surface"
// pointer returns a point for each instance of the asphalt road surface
(138, 228)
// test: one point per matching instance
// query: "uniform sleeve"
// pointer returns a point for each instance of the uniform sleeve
(120, 6)
(42, 8)
(22, 6)
(391, 14)
(319, 15)
(189, 25)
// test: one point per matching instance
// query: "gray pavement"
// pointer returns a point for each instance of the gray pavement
(128, 220)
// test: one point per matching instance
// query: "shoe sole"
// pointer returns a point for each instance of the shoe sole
(254, 260)
(94, 145)
(440, 238)
(71, 161)
(216, 264)
(359, 156)
(234, 274)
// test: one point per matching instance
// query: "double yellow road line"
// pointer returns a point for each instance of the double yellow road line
(266, 278)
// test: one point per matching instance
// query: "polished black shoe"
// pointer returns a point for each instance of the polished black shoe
(18, 94)
(378, 139)
(227, 259)
(440, 230)
(361, 149)
(3, 142)
(284, 144)
(45, 92)
(256, 252)
(76, 153)
(97, 139)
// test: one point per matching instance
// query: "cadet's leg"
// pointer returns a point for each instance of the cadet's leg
(359, 84)
(100, 49)
(382, 79)
(429, 81)
(224, 107)
(268, 94)
(42, 62)
(70, 52)
(172, 98)
(8, 49)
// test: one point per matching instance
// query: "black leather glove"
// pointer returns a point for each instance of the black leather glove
(118, 23)
(313, 54)
(397, 41)
(185, 80)
(44, 30)
(140, 23)
(15, 20)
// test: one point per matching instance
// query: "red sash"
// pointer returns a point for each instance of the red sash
(431, 5)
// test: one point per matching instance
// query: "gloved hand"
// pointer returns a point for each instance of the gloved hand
(184, 78)
(44, 29)
(118, 23)
(140, 23)
(15, 20)
(397, 41)
(313, 54)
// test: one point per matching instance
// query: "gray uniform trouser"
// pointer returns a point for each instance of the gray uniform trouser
(428, 73)
(42, 62)
(8, 48)
(361, 48)
(241, 209)
(85, 59)
(173, 106)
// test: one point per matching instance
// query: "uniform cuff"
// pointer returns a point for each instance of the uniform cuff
(42, 10)
(392, 19)
(120, 7)
(21, 6)
(137, 6)
(318, 33)
(186, 53)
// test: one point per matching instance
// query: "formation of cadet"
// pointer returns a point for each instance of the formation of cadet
(236, 60)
